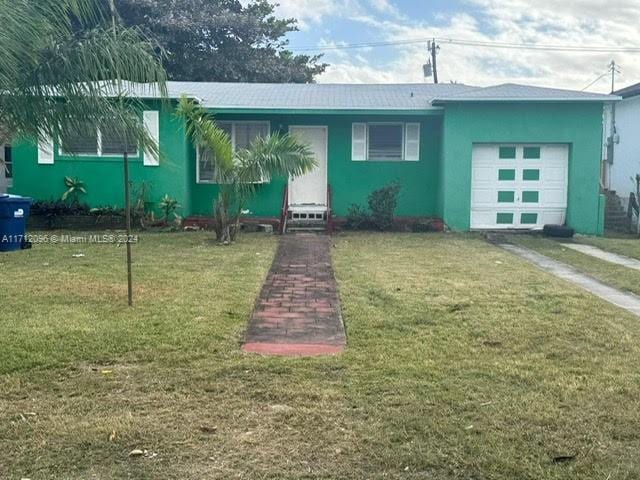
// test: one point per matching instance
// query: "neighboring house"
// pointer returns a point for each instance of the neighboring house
(622, 143)
(507, 156)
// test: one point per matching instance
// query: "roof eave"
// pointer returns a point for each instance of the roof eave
(608, 99)
(433, 110)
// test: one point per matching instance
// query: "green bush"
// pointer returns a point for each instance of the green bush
(357, 217)
(383, 203)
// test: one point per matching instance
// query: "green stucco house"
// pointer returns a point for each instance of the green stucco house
(508, 156)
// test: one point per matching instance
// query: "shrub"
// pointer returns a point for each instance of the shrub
(357, 217)
(107, 211)
(75, 188)
(47, 208)
(168, 205)
(51, 210)
(383, 203)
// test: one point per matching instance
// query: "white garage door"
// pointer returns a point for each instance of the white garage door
(518, 186)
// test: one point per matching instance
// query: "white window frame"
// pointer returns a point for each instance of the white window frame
(8, 180)
(99, 153)
(233, 124)
(404, 142)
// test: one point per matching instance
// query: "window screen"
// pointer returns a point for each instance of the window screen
(113, 143)
(385, 142)
(82, 142)
(246, 132)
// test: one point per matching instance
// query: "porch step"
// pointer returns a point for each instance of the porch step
(306, 225)
(615, 216)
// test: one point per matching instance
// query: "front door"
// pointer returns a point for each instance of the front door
(311, 188)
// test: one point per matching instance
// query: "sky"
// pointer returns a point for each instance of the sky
(593, 23)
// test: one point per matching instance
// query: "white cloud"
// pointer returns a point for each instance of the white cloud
(385, 6)
(547, 22)
(309, 12)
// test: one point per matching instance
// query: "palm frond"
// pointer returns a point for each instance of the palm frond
(274, 155)
(205, 135)
(61, 60)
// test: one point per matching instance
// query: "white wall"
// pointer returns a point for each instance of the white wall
(626, 159)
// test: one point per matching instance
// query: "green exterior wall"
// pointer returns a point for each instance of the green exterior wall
(439, 184)
(350, 181)
(103, 176)
(577, 124)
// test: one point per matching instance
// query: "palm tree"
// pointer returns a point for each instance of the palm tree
(238, 172)
(61, 59)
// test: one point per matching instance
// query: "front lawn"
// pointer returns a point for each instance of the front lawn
(463, 362)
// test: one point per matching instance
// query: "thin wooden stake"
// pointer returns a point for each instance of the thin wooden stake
(127, 207)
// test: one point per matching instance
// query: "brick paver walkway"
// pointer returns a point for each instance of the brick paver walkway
(298, 310)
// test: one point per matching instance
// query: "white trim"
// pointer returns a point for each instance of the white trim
(325, 128)
(413, 142)
(233, 144)
(359, 146)
(151, 122)
(45, 151)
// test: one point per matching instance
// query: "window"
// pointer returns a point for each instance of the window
(98, 143)
(114, 143)
(507, 153)
(531, 153)
(506, 174)
(8, 162)
(80, 143)
(385, 141)
(241, 135)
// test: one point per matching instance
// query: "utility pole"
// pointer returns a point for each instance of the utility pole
(434, 50)
(613, 68)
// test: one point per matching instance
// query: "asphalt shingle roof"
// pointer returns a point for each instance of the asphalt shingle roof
(630, 91)
(323, 96)
(328, 96)
(523, 93)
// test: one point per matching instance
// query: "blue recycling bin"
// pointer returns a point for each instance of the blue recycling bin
(14, 211)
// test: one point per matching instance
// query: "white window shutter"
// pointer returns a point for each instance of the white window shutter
(151, 120)
(412, 141)
(359, 141)
(45, 151)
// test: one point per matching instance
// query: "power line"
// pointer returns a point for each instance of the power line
(594, 81)
(475, 43)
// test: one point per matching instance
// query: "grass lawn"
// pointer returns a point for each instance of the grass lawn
(615, 275)
(627, 246)
(464, 362)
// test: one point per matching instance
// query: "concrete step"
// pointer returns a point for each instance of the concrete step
(305, 229)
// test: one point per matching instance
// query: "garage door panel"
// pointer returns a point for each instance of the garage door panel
(486, 153)
(555, 154)
(553, 198)
(484, 197)
(484, 174)
(527, 190)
